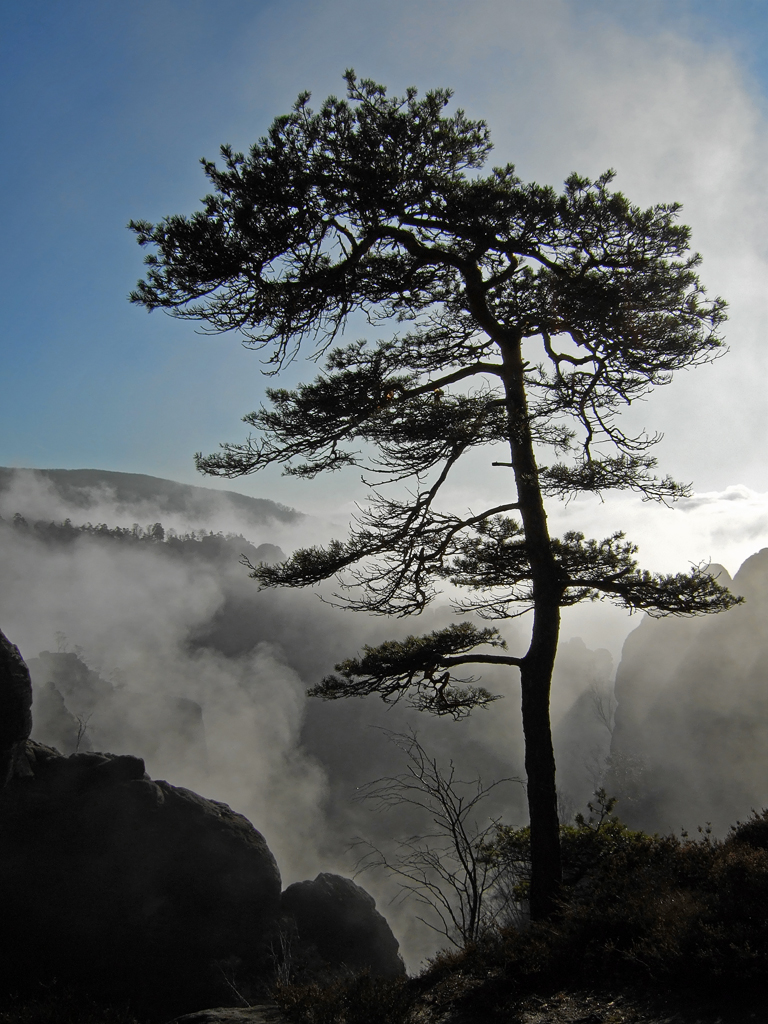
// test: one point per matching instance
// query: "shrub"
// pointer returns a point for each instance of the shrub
(753, 832)
(690, 913)
(358, 999)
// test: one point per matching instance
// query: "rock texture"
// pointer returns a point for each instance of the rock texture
(135, 888)
(263, 1013)
(140, 891)
(15, 709)
(340, 920)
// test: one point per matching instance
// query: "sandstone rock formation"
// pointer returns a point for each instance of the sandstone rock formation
(15, 709)
(136, 889)
(75, 709)
(340, 920)
(690, 744)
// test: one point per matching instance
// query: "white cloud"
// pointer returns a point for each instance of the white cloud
(719, 526)
(565, 87)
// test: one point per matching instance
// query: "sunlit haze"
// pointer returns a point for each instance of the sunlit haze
(107, 110)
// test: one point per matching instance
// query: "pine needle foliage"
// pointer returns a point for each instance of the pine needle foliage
(523, 323)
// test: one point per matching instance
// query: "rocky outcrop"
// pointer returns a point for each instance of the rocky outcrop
(690, 744)
(75, 709)
(263, 1013)
(139, 891)
(581, 732)
(135, 888)
(339, 921)
(55, 725)
(15, 709)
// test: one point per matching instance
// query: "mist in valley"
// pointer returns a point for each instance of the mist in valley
(159, 645)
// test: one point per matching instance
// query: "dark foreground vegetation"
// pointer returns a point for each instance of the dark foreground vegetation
(651, 928)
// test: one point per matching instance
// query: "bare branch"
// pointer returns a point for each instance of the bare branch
(444, 868)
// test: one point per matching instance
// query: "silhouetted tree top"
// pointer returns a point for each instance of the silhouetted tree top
(367, 205)
(520, 317)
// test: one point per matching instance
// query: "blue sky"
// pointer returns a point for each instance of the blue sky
(106, 109)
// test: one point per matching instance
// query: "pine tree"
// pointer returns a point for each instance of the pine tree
(520, 317)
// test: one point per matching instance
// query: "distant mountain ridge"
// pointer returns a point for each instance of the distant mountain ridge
(79, 488)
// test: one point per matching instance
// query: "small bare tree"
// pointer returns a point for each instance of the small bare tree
(604, 705)
(82, 726)
(446, 868)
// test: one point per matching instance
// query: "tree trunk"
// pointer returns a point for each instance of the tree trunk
(537, 666)
(535, 677)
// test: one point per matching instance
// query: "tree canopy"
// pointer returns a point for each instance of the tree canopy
(520, 317)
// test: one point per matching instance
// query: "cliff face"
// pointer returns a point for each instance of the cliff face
(15, 709)
(133, 888)
(582, 731)
(137, 890)
(690, 743)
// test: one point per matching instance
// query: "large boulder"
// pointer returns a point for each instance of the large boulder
(339, 921)
(139, 891)
(134, 888)
(15, 709)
